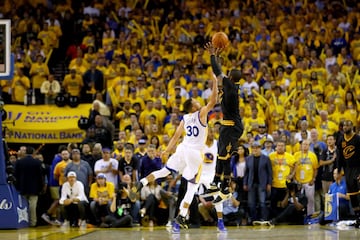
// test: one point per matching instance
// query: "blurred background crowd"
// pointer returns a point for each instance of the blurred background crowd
(138, 61)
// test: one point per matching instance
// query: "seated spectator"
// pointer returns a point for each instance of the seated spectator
(150, 195)
(132, 198)
(231, 214)
(101, 195)
(169, 197)
(50, 88)
(339, 188)
(73, 202)
(82, 169)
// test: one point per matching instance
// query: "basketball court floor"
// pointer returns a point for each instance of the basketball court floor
(309, 232)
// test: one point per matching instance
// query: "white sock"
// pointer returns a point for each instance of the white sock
(189, 195)
(219, 207)
(161, 173)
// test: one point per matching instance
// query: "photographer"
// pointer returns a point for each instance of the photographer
(120, 209)
(294, 205)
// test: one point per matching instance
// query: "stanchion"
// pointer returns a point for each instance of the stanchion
(14, 210)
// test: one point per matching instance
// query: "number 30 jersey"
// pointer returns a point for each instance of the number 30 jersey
(195, 131)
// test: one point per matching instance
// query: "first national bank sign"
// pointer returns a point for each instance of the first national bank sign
(44, 124)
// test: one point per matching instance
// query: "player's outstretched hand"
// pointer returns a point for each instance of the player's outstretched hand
(212, 50)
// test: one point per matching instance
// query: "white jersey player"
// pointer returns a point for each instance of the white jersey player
(188, 156)
(209, 163)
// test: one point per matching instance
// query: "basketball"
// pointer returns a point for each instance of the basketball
(220, 40)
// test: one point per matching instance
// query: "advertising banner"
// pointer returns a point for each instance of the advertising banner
(331, 207)
(44, 123)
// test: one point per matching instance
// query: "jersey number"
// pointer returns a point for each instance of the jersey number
(192, 131)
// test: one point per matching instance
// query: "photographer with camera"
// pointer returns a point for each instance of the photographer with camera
(294, 204)
(120, 209)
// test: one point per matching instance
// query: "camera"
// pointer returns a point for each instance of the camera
(292, 186)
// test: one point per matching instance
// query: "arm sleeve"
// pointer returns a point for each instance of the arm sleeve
(93, 192)
(82, 196)
(63, 194)
(215, 66)
(43, 88)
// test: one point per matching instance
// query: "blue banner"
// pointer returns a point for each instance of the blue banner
(331, 207)
(14, 210)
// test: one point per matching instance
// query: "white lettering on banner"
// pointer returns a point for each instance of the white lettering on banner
(5, 205)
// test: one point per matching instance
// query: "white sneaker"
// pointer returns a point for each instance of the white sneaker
(66, 224)
(169, 224)
(56, 222)
(46, 218)
(83, 225)
(142, 212)
(151, 223)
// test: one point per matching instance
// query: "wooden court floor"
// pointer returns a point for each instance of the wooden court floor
(309, 232)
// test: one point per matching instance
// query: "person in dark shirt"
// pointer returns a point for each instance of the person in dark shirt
(120, 210)
(294, 205)
(87, 156)
(101, 133)
(257, 181)
(129, 164)
(149, 162)
(327, 163)
(29, 181)
(349, 161)
(231, 128)
(93, 82)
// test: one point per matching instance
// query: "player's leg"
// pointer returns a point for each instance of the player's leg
(192, 173)
(174, 163)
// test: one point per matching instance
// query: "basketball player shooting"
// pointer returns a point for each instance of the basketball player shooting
(231, 128)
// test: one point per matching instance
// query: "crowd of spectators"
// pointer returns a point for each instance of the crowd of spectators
(138, 61)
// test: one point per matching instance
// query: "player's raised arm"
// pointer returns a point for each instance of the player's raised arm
(214, 52)
(212, 100)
